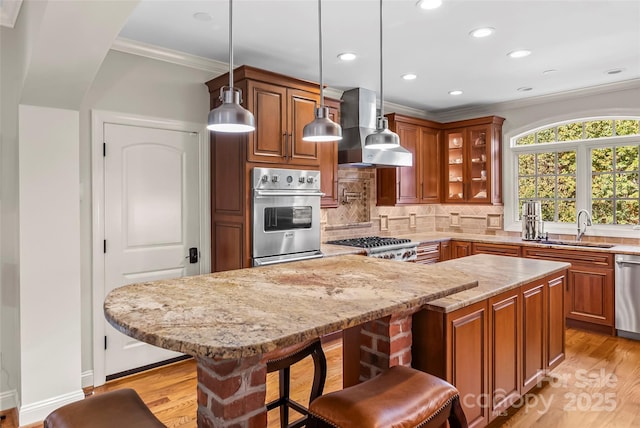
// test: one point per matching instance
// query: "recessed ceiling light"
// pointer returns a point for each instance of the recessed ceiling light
(478, 33)
(202, 16)
(409, 76)
(455, 92)
(524, 89)
(429, 4)
(615, 71)
(520, 53)
(550, 71)
(347, 56)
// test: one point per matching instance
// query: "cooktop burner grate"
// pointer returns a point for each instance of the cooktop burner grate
(370, 241)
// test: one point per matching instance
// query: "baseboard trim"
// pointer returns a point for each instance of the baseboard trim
(87, 379)
(8, 399)
(36, 412)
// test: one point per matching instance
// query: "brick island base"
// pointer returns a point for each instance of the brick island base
(232, 393)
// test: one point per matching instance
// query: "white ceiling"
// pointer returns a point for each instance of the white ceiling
(580, 39)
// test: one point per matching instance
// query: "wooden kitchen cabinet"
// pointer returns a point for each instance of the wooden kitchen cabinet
(281, 114)
(460, 249)
(555, 322)
(445, 251)
(472, 156)
(505, 354)
(533, 329)
(328, 156)
(420, 183)
(589, 296)
(454, 347)
(282, 106)
(496, 349)
(497, 249)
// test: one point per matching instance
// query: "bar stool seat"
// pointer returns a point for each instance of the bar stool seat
(122, 408)
(400, 397)
(281, 361)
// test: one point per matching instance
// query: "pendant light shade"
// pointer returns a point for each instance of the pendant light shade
(382, 137)
(321, 129)
(231, 116)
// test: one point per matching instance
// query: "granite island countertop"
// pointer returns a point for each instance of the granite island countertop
(495, 275)
(241, 313)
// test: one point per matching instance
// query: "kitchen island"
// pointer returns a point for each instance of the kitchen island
(234, 321)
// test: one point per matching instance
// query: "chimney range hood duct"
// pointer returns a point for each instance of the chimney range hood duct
(358, 119)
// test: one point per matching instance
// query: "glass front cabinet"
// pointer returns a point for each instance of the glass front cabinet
(472, 161)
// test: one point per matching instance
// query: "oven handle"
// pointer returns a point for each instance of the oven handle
(293, 259)
(268, 193)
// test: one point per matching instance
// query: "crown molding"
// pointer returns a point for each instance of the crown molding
(407, 111)
(9, 10)
(187, 60)
(447, 115)
(169, 55)
(458, 113)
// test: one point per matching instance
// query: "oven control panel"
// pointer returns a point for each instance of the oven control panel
(285, 179)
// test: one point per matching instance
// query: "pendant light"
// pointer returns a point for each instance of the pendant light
(231, 116)
(382, 137)
(322, 128)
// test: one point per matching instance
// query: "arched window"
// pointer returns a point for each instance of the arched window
(590, 163)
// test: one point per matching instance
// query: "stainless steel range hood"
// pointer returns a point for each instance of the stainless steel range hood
(358, 119)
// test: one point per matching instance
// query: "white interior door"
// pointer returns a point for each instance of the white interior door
(151, 179)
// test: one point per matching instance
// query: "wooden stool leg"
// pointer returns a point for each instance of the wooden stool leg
(285, 378)
(457, 419)
(283, 366)
(319, 372)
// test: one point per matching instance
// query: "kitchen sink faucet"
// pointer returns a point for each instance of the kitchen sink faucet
(581, 231)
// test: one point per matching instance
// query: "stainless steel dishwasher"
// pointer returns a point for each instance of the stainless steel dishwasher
(628, 296)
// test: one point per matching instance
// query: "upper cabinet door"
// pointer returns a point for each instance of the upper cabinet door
(472, 161)
(430, 155)
(419, 183)
(269, 106)
(455, 166)
(477, 164)
(301, 110)
(408, 182)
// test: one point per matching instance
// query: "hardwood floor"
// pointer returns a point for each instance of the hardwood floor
(597, 386)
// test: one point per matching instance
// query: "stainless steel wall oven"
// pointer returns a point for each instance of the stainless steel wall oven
(286, 215)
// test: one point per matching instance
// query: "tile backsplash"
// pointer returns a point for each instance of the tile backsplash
(358, 215)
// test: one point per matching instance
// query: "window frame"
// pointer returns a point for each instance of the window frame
(583, 173)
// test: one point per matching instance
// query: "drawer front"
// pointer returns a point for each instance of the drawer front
(576, 258)
(497, 249)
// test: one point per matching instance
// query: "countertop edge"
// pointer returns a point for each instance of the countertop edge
(446, 305)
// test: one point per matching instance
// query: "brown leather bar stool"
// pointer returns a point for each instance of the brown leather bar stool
(399, 397)
(282, 363)
(122, 408)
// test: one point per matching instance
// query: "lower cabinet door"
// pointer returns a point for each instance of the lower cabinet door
(467, 366)
(533, 335)
(504, 351)
(555, 321)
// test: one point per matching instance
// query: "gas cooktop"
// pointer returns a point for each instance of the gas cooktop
(370, 241)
